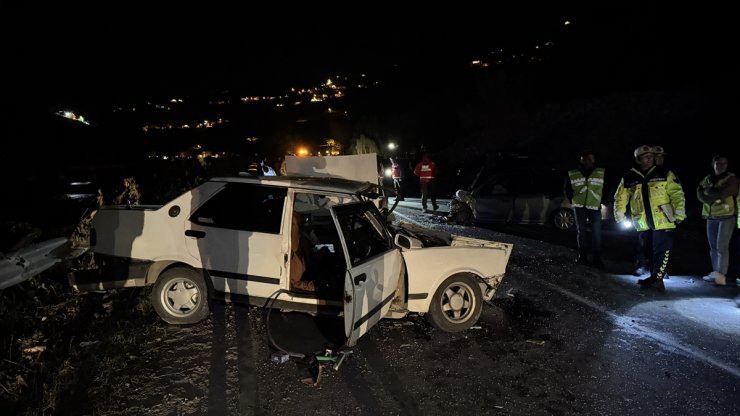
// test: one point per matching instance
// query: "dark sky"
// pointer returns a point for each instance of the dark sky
(122, 49)
(125, 48)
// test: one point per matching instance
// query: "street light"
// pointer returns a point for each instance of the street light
(391, 146)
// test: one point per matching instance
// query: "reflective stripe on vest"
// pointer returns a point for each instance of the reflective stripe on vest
(587, 191)
(426, 172)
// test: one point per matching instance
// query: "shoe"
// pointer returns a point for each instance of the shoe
(424, 210)
(641, 271)
(710, 277)
(436, 207)
(651, 283)
(720, 279)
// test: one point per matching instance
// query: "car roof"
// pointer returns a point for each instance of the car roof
(326, 184)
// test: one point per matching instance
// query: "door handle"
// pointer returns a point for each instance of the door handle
(195, 233)
(360, 278)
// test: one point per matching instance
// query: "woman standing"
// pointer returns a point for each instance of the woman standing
(718, 193)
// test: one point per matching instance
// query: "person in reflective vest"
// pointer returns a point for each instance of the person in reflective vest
(397, 176)
(718, 195)
(657, 204)
(426, 170)
(585, 188)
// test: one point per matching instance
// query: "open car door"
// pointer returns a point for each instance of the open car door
(374, 266)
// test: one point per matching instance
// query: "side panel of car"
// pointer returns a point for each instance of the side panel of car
(236, 237)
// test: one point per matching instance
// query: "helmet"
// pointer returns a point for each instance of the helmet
(642, 150)
(658, 150)
(462, 195)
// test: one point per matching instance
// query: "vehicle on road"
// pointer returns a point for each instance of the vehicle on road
(532, 197)
(234, 237)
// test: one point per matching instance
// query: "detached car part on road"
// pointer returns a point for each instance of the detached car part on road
(231, 238)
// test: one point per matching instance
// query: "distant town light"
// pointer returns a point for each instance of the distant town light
(302, 151)
(567, 22)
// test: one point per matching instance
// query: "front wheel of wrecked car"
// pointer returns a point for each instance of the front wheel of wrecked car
(180, 296)
(457, 304)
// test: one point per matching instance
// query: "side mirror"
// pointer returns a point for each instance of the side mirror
(406, 242)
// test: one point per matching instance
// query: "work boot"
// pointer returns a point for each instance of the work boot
(641, 270)
(651, 282)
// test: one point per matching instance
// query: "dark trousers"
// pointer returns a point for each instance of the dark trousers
(588, 226)
(662, 244)
(427, 191)
(645, 249)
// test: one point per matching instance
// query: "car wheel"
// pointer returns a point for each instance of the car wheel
(564, 219)
(456, 305)
(180, 296)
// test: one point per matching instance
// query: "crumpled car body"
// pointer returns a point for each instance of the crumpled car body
(232, 238)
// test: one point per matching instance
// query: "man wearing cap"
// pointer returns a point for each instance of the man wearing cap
(657, 204)
(584, 188)
(645, 240)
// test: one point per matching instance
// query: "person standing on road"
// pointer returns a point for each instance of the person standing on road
(718, 194)
(657, 204)
(426, 170)
(397, 176)
(645, 240)
(585, 189)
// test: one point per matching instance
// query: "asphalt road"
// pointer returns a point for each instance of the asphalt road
(556, 339)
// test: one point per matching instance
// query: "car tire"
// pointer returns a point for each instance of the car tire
(180, 296)
(456, 305)
(564, 219)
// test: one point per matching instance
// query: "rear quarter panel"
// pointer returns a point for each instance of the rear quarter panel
(144, 233)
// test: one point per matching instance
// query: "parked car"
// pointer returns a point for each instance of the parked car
(532, 197)
(231, 237)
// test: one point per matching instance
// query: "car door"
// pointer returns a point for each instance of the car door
(537, 196)
(494, 202)
(375, 266)
(236, 236)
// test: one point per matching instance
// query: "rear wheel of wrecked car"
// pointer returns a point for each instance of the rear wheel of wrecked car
(456, 305)
(564, 219)
(180, 296)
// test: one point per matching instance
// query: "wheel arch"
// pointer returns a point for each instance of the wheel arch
(422, 305)
(159, 267)
(459, 310)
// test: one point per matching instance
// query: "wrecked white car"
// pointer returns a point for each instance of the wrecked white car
(238, 237)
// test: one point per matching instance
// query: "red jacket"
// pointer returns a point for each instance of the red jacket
(426, 170)
(396, 171)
